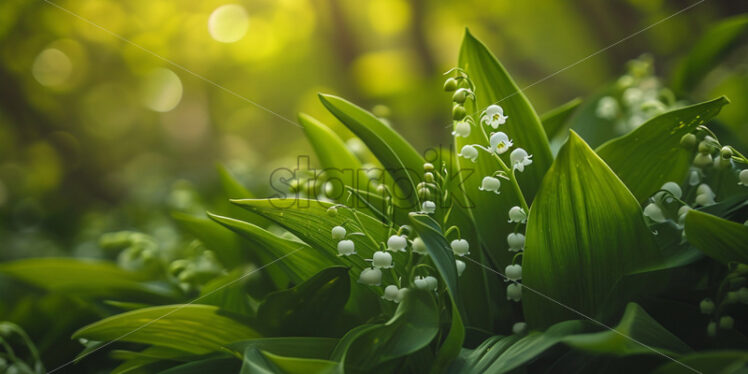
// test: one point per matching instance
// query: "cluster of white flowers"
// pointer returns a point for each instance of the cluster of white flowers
(636, 97)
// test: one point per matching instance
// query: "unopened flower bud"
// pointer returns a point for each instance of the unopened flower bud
(726, 322)
(338, 232)
(653, 212)
(702, 160)
(428, 207)
(419, 246)
(519, 327)
(461, 95)
(450, 84)
(428, 177)
(743, 176)
(706, 306)
(424, 193)
(705, 147)
(711, 329)
(458, 112)
(688, 141)
(332, 211)
(725, 153)
(427, 167)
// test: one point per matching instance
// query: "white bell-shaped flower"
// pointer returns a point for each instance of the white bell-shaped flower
(397, 243)
(338, 232)
(516, 242)
(743, 176)
(462, 129)
(702, 160)
(419, 246)
(514, 292)
(490, 184)
(370, 277)
(519, 327)
(706, 306)
(694, 177)
(427, 283)
(513, 272)
(519, 159)
(460, 247)
(469, 152)
(390, 293)
(493, 116)
(499, 143)
(460, 265)
(382, 260)
(346, 248)
(428, 207)
(653, 212)
(517, 215)
(704, 195)
(607, 108)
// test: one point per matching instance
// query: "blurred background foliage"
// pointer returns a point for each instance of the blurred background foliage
(98, 135)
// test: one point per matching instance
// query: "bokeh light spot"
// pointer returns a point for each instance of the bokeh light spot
(162, 90)
(52, 67)
(228, 23)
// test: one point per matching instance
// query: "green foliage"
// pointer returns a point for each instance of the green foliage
(597, 235)
(718, 238)
(651, 155)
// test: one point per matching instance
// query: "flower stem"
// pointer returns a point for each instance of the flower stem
(510, 173)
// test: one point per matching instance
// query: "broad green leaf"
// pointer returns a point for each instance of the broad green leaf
(305, 347)
(637, 334)
(439, 251)
(635, 324)
(495, 86)
(209, 365)
(441, 254)
(85, 277)
(309, 309)
(414, 326)
(556, 120)
(254, 362)
(297, 365)
(233, 189)
(651, 155)
(191, 328)
(297, 214)
(399, 158)
(486, 210)
(709, 51)
(501, 354)
(725, 362)
(228, 292)
(300, 261)
(225, 244)
(340, 166)
(718, 238)
(584, 232)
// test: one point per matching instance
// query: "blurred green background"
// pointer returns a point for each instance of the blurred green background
(98, 135)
